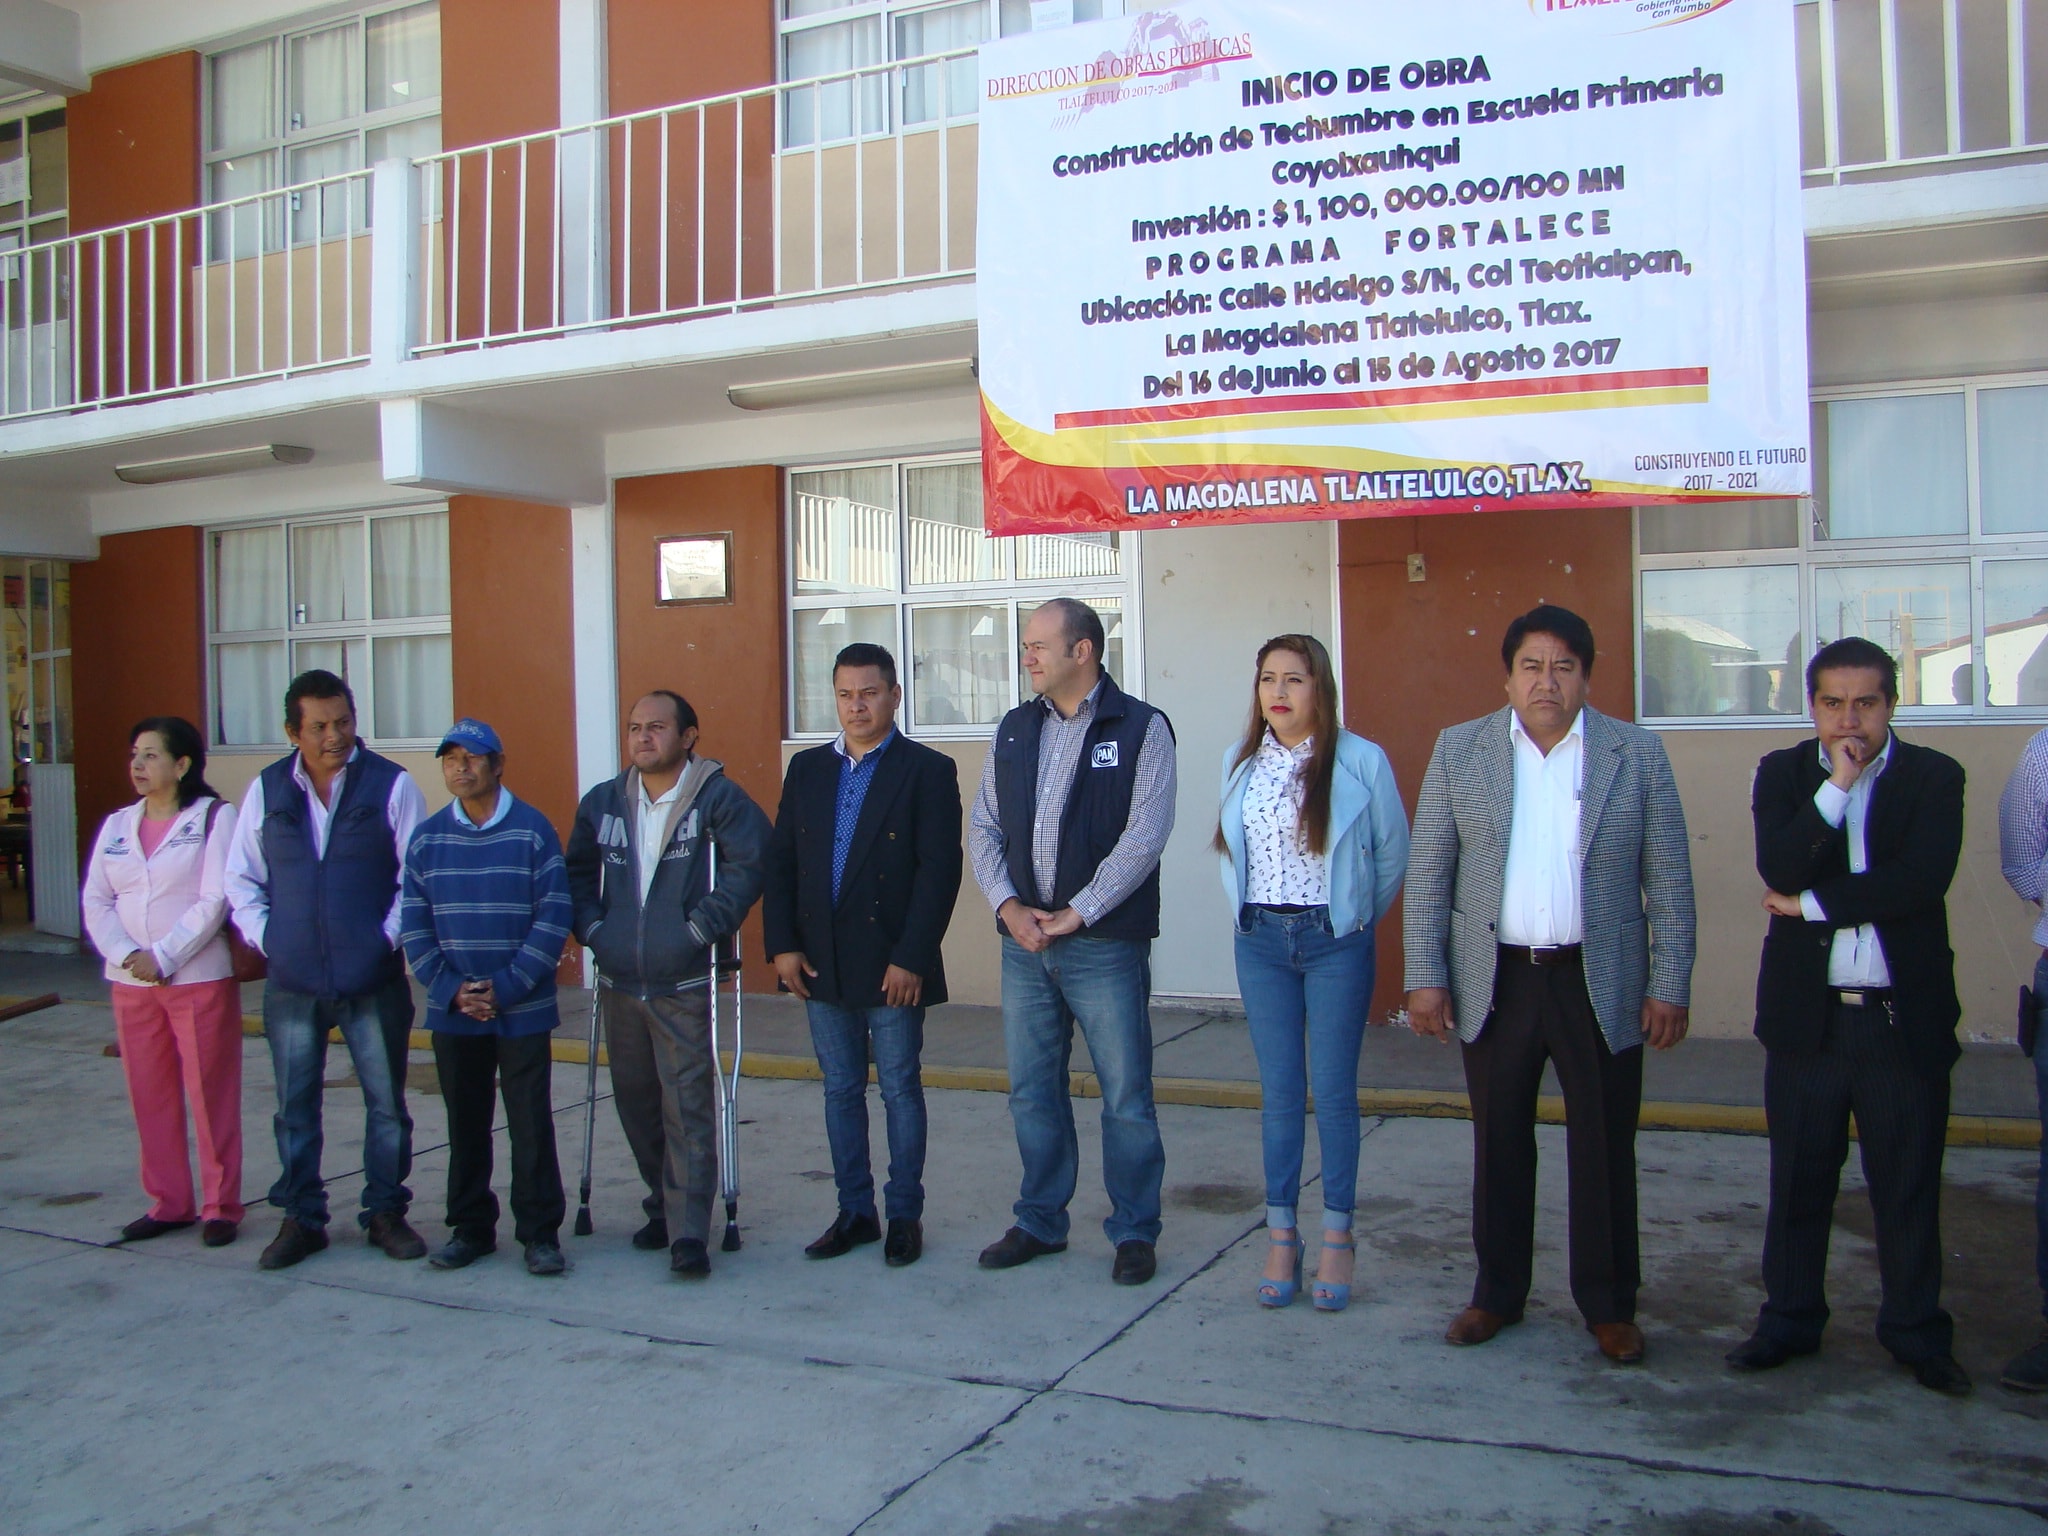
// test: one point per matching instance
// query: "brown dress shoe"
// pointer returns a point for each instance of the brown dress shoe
(1475, 1325)
(1620, 1342)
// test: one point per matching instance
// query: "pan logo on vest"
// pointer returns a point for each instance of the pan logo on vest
(1105, 755)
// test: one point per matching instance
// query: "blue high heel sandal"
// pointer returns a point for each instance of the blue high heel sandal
(1281, 1293)
(1327, 1295)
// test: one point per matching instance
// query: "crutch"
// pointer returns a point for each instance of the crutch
(583, 1228)
(728, 1092)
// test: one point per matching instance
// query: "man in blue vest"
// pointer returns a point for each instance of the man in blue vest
(1075, 806)
(313, 881)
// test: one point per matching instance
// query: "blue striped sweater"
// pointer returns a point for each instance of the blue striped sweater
(489, 904)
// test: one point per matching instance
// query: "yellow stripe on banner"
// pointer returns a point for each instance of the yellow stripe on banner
(1153, 445)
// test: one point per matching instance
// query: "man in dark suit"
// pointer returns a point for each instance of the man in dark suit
(1857, 837)
(862, 873)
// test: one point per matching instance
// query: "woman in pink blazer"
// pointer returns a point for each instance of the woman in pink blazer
(155, 902)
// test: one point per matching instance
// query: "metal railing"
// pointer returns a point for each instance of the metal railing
(1919, 83)
(255, 287)
(846, 183)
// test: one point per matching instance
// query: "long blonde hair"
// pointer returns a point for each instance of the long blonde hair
(1313, 828)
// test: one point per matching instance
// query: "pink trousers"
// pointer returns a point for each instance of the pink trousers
(179, 1043)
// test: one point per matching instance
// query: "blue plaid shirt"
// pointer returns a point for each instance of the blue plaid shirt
(854, 779)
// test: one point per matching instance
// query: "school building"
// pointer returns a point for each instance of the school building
(515, 356)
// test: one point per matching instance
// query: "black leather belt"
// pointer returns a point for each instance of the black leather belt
(1279, 908)
(1541, 954)
(1861, 997)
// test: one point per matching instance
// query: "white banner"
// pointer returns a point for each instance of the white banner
(1262, 259)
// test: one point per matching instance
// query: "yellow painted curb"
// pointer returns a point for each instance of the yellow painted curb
(1999, 1132)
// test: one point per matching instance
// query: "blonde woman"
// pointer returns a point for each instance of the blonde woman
(1314, 844)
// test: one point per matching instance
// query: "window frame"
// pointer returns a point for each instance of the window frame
(368, 630)
(904, 597)
(886, 13)
(1815, 553)
(283, 140)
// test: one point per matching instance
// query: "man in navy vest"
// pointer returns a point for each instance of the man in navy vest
(1075, 806)
(313, 880)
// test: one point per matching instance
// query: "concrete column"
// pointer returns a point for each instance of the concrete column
(584, 164)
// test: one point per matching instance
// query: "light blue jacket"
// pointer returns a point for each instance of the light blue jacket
(1368, 843)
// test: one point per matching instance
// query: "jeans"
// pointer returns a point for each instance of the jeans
(1306, 996)
(1105, 986)
(844, 1038)
(2041, 1091)
(376, 1026)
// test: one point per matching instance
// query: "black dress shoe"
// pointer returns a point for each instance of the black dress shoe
(846, 1233)
(1942, 1374)
(653, 1236)
(1135, 1262)
(905, 1243)
(1015, 1247)
(688, 1259)
(390, 1231)
(143, 1228)
(461, 1251)
(217, 1233)
(292, 1243)
(1761, 1352)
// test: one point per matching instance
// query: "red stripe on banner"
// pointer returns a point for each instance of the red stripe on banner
(1021, 495)
(1359, 400)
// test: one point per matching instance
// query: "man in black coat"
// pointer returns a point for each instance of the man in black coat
(863, 869)
(1857, 837)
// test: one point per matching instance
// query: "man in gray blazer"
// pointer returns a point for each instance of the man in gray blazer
(1548, 914)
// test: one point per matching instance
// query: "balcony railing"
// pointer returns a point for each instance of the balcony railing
(1895, 85)
(853, 183)
(843, 184)
(257, 287)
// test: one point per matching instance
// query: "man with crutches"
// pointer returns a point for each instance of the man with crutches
(640, 873)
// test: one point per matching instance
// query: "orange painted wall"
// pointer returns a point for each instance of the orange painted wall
(134, 142)
(726, 659)
(1420, 655)
(500, 78)
(666, 51)
(513, 642)
(661, 53)
(137, 649)
(134, 154)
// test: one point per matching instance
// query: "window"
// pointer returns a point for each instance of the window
(840, 37)
(312, 104)
(1927, 533)
(894, 554)
(35, 301)
(365, 597)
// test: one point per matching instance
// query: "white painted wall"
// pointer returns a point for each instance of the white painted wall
(1210, 598)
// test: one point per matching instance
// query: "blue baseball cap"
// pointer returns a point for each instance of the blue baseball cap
(471, 736)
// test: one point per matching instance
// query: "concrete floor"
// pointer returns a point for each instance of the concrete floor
(173, 1388)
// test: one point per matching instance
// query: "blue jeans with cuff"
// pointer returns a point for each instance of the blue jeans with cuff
(844, 1039)
(1105, 986)
(376, 1027)
(1306, 994)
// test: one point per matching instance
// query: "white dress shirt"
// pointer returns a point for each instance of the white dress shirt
(248, 872)
(1539, 901)
(1857, 958)
(653, 830)
(1279, 872)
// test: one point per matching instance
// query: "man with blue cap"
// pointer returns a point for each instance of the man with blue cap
(483, 921)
